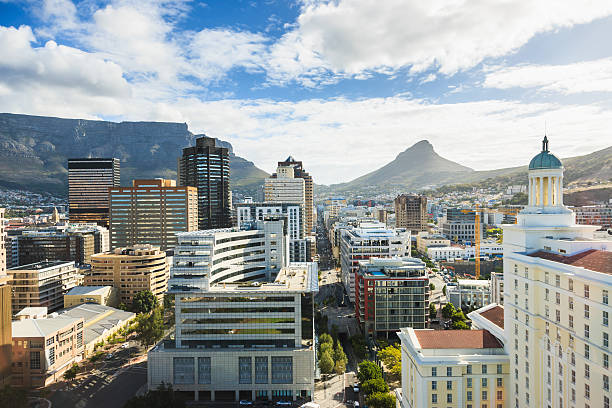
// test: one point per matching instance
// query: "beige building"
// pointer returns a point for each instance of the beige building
(285, 188)
(101, 295)
(309, 208)
(411, 212)
(5, 312)
(151, 212)
(424, 240)
(44, 348)
(43, 284)
(557, 280)
(131, 270)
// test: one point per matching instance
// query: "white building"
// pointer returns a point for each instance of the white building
(497, 288)
(469, 293)
(285, 188)
(557, 280)
(445, 253)
(371, 239)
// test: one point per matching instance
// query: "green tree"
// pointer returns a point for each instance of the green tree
(326, 363)
(13, 397)
(326, 348)
(368, 370)
(326, 338)
(150, 327)
(163, 397)
(168, 301)
(144, 302)
(70, 374)
(339, 354)
(392, 357)
(123, 306)
(460, 325)
(374, 386)
(381, 400)
(340, 367)
(448, 310)
(359, 346)
(444, 290)
(433, 312)
(432, 287)
(458, 316)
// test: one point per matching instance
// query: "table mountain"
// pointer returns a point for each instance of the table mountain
(34, 151)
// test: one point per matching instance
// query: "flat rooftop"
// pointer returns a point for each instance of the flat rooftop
(40, 327)
(592, 259)
(297, 277)
(456, 339)
(472, 282)
(88, 290)
(40, 265)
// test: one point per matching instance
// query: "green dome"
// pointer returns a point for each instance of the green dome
(545, 159)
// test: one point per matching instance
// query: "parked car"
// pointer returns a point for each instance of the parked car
(109, 356)
(284, 403)
(245, 402)
(355, 388)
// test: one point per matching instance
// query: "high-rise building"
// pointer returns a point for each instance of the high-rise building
(88, 184)
(131, 270)
(5, 312)
(203, 258)
(391, 293)
(411, 212)
(369, 239)
(207, 167)
(557, 282)
(43, 284)
(152, 212)
(299, 172)
(242, 341)
(458, 225)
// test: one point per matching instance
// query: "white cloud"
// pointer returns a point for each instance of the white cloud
(348, 37)
(580, 77)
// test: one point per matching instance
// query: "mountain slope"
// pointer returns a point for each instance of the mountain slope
(34, 151)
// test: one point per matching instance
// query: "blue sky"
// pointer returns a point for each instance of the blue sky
(343, 85)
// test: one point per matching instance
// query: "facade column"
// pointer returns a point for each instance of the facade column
(196, 395)
(549, 192)
(541, 192)
(529, 192)
(561, 190)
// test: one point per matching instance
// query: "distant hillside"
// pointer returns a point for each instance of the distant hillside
(34, 151)
(420, 167)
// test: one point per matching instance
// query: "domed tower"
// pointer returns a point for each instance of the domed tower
(545, 181)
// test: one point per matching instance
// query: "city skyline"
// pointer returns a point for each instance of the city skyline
(295, 77)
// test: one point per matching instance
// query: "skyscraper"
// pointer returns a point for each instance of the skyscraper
(411, 212)
(5, 313)
(88, 184)
(207, 167)
(299, 172)
(152, 212)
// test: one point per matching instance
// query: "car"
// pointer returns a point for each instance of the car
(125, 345)
(356, 404)
(355, 388)
(284, 403)
(109, 356)
(245, 402)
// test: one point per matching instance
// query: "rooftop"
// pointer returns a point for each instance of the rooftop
(41, 265)
(456, 339)
(495, 315)
(472, 282)
(88, 290)
(591, 259)
(97, 318)
(297, 277)
(40, 327)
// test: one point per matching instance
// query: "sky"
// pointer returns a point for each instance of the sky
(343, 85)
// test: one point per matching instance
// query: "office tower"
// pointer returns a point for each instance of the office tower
(43, 284)
(285, 187)
(201, 257)
(152, 212)
(131, 270)
(459, 225)
(369, 239)
(207, 167)
(299, 172)
(88, 184)
(44, 348)
(457, 368)
(411, 212)
(557, 280)
(238, 341)
(5, 312)
(391, 293)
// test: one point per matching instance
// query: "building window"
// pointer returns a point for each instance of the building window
(183, 370)
(557, 280)
(434, 371)
(449, 398)
(469, 395)
(245, 370)
(469, 383)
(570, 303)
(484, 395)
(571, 321)
(570, 285)
(606, 382)
(606, 361)
(499, 369)
(558, 315)
(35, 360)
(434, 385)
(587, 312)
(586, 291)
(606, 402)
(500, 382)
(587, 351)
(587, 391)
(282, 370)
(546, 294)
(484, 368)
(500, 395)
(449, 385)
(605, 318)
(469, 369)
(51, 356)
(604, 297)
(449, 371)
(484, 382)
(587, 371)
(204, 376)
(586, 331)
(434, 398)
(573, 377)
(605, 340)
(261, 370)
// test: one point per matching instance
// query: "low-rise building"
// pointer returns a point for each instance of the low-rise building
(131, 270)
(42, 284)
(44, 348)
(600, 215)
(469, 293)
(445, 253)
(391, 293)
(101, 295)
(425, 240)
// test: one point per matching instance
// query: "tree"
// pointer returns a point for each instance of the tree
(374, 386)
(432, 287)
(392, 357)
(339, 354)
(444, 290)
(458, 316)
(433, 312)
(144, 302)
(13, 397)
(359, 346)
(340, 367)
(326, 348)
(448, 310)
(71, 373)
(368, 370)
(326, 363)
(381, 400)
(460, 325)
(326, 338)
(150, 327)
(168, 301)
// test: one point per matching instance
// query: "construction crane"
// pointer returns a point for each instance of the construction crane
(477, 231)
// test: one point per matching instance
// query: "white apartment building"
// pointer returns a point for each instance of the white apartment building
(557, 280)
(469, 293)
(369, 239)
(250, 341)
(445, 253)
(203, 258)
(425, 240)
